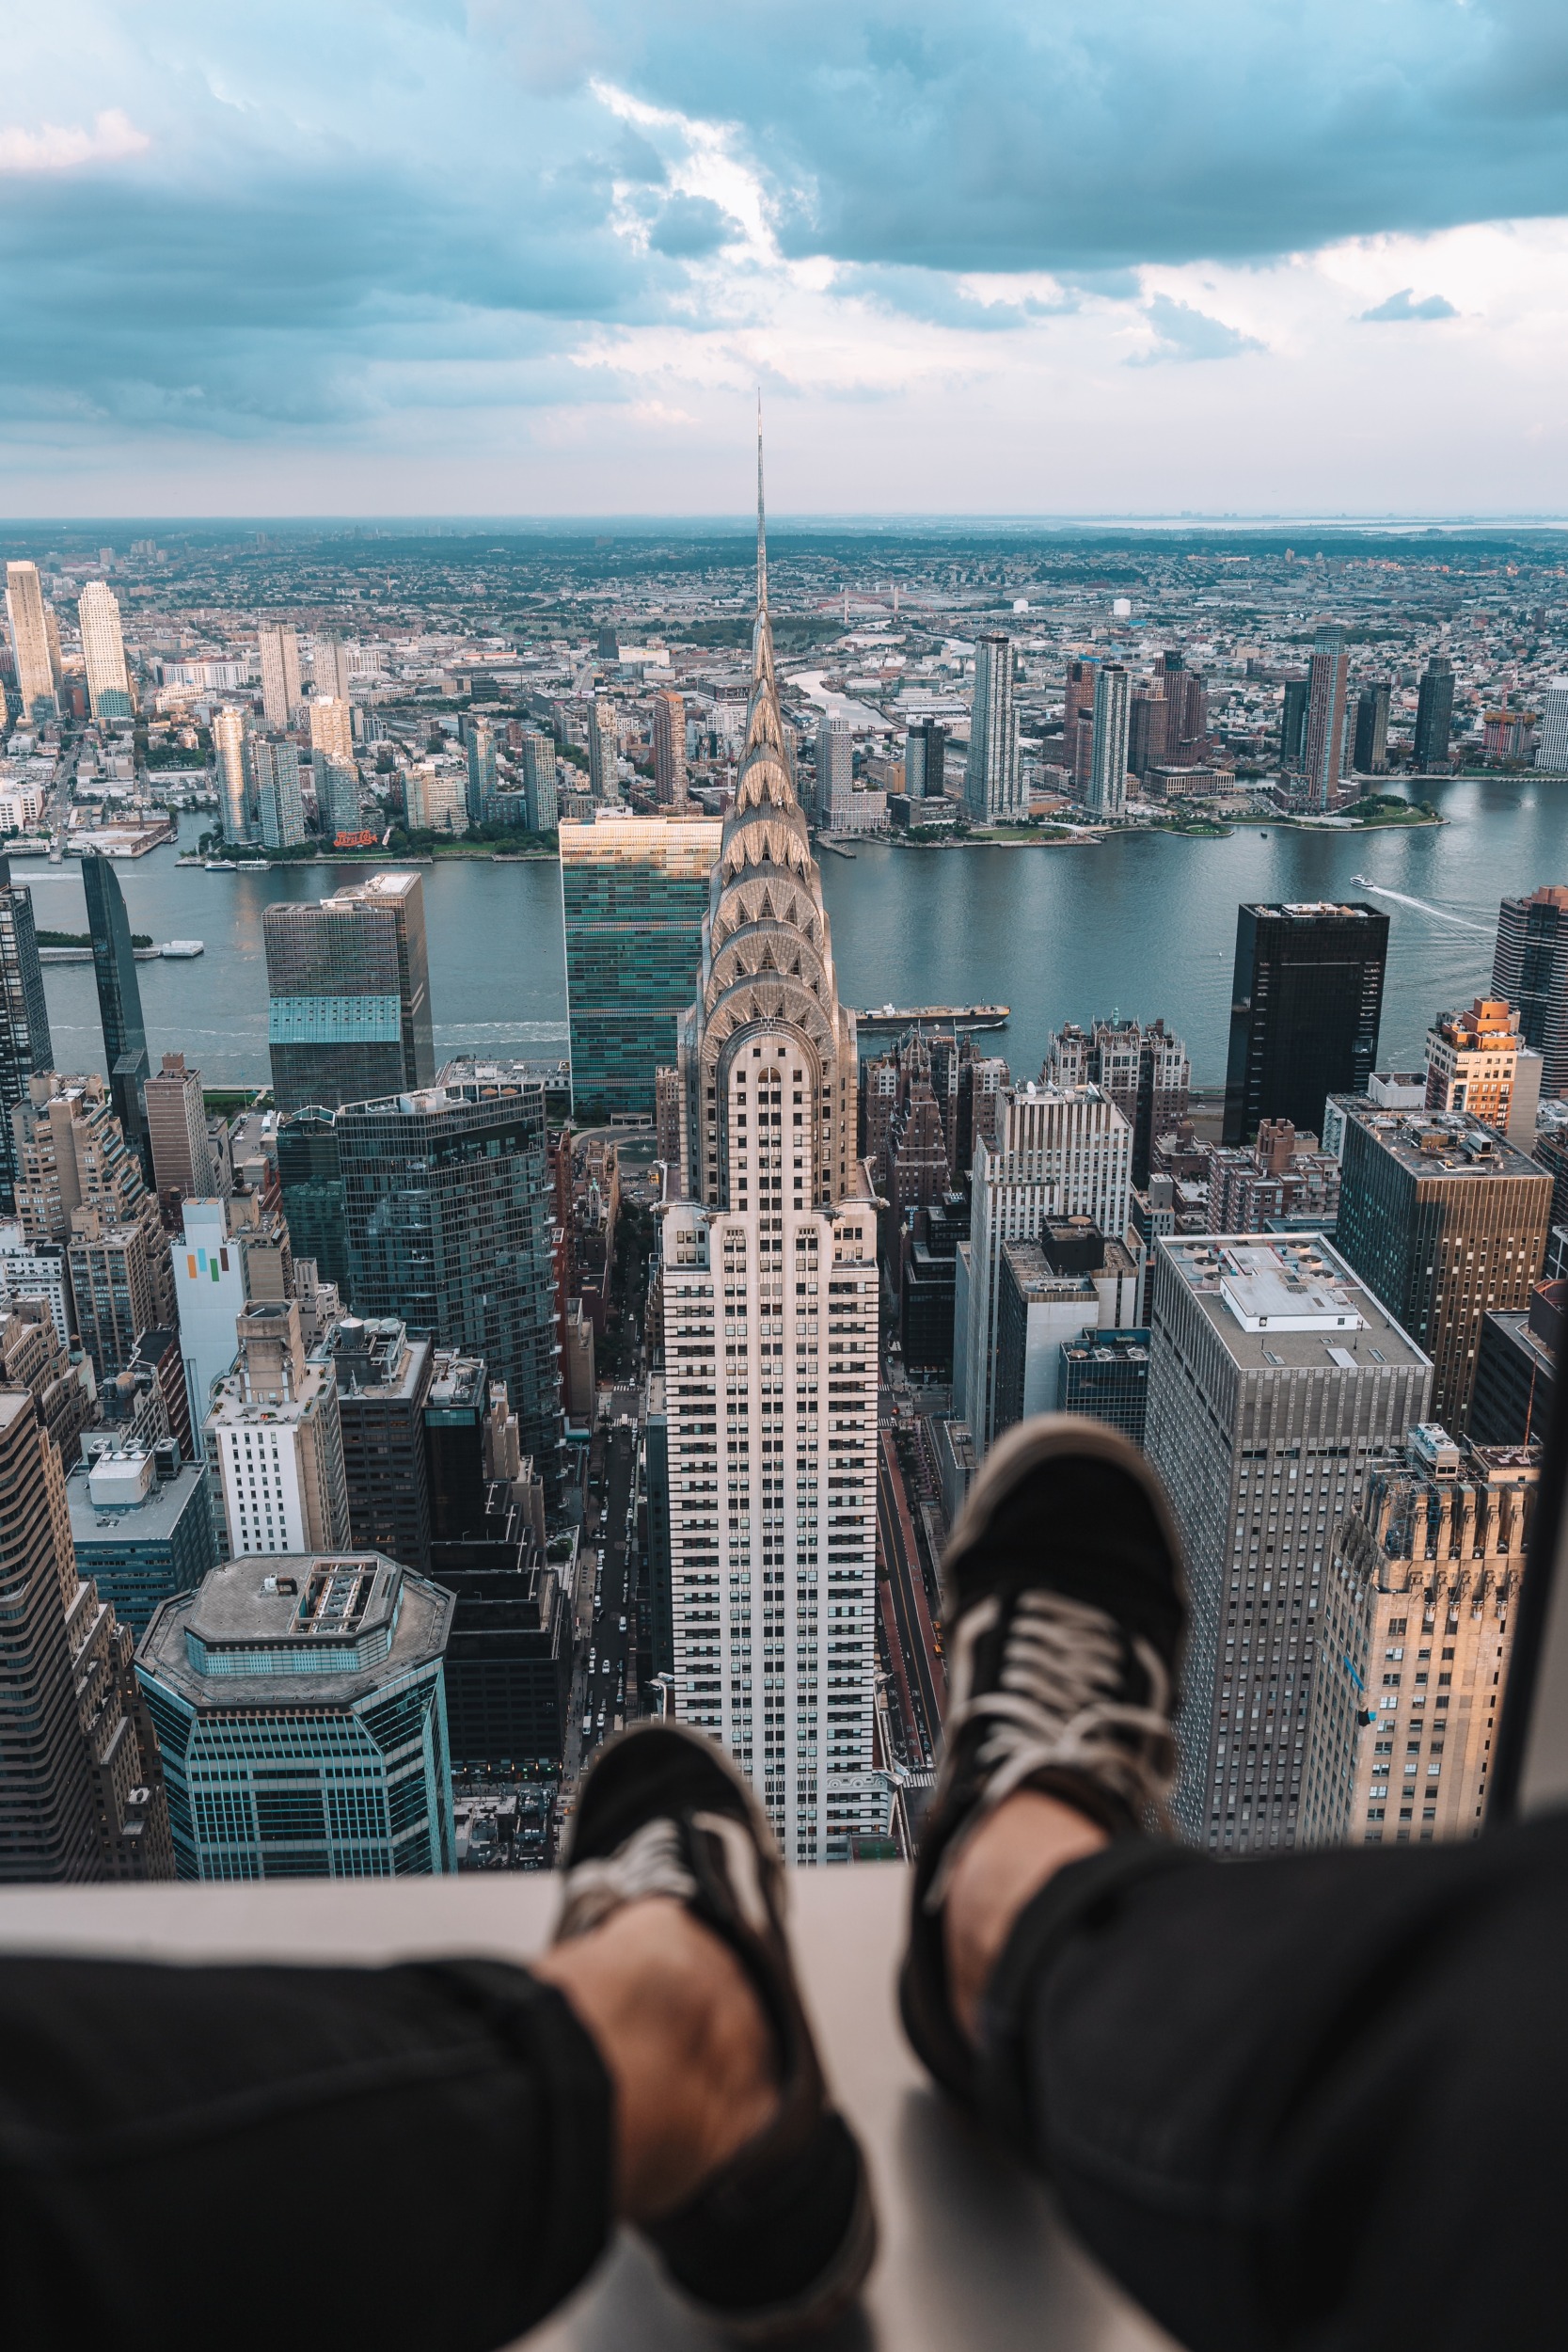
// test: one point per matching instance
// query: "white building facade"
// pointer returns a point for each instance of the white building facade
(771, 1333)
(103, 651)
(1059, 1151)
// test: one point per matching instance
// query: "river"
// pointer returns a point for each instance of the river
(1144, 924)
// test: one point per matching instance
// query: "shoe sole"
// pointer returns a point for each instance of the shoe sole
(1050, 1437)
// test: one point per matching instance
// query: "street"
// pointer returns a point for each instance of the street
(604, 1680)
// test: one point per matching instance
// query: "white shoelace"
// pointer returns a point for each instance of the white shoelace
(650, 1862)
(1056, 1707)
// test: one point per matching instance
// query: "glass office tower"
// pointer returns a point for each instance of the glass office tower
(311, 1177)
(349, 984)
(118, 999)
(1306, 1002)
(449, 1213)
(634, 891)
(26, 1046)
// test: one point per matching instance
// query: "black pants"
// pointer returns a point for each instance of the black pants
(1315, 2103)
(1318, 2102)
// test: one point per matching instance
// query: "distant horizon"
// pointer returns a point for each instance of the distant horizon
(782, 520)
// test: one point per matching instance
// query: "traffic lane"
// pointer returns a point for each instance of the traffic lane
(604, 1686)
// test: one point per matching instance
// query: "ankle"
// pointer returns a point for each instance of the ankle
(686, 2044)
(1004, 1864)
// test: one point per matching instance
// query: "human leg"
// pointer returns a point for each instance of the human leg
(1253, 2086)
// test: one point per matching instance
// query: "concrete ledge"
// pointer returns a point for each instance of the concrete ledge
(972, 2258)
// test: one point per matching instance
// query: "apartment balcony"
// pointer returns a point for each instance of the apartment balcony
(973, 2257)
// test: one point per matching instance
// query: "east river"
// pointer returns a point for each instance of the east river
(1142, 925)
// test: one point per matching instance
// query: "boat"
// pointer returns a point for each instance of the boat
(934, 1016)
(182, 950)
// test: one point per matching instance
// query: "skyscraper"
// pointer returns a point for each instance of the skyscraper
(1057, 1153)
(1108, 769)
(449, 1209)
(104, 649)
(1306, 1003)
(1278, 1385)
(1529, 971)
(177, 1131)
(349, 985)
(230, 726)
(1078, 695)
(1370, 757)
(275, 767)
(1551, 747)
(1477, 1062)
(35, 643)
(280, 688)
(1292, 723)
(603, 750)
(482, 771)
(992, 792)
(299, 1708)
(26, 1046)
(81, 1793)
(118, 999)
(1323, 753)
(275, 1436)
(1435, 713)
(1418, 1620)
(1443, 1218)
(332, 757)
(769, 1330)
(330, 668)
(539, 794)
(634, 891)
(670, 749)
(926, 761)
(311, 1178)
(835, 771)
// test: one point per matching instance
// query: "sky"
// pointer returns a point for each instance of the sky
(535, 257)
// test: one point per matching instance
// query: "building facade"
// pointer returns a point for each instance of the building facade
(1108, 757)
(1442, 1218)
(35, 643)
(120, 1009)
(141, 1521)
(1418, 1618)
(104, 653)
(1058, 1153)
(281, 691)
(1476, 1062)
(634, 891)
(769, 1330)
(540, 808)
(232, 772)
(449, 1210)
(1324, 751)
(992, 779)
(1529, 971)
(299, 1706)
(1435, 713)
(1278, 1385)
(1305, 1006)
(670, 749)
(348, 983)
(27, 1048)
(81, 1791)
(275, 1441)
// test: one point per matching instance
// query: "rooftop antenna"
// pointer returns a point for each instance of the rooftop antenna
(762, 521)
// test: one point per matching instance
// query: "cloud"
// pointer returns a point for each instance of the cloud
(1403, 307)
(691, 227)
(54, 147)
(1183, 333)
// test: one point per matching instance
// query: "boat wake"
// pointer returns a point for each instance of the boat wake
(1439, 914)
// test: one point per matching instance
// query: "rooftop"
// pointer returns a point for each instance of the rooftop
(1289, 1303)
(254, 1629)
(108, 1510)
(1440, 1143)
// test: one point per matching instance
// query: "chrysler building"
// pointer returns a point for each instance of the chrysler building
(769, 1306)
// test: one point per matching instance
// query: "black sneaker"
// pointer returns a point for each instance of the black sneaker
(780, 2241)
(1063, 1632)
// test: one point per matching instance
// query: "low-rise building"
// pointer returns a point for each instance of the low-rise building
(142, 1524)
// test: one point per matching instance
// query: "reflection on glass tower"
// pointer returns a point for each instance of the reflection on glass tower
(24, 1042)
(119, 997)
